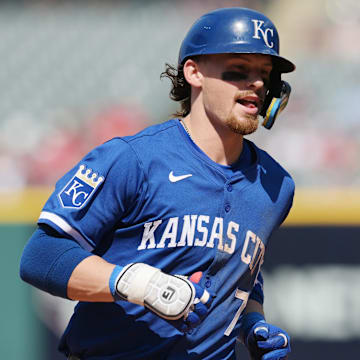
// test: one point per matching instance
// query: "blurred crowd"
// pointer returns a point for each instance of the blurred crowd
(75, 74)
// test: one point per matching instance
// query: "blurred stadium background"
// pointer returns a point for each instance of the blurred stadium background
(76, 73)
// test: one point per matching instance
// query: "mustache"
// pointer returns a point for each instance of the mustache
(240, 94)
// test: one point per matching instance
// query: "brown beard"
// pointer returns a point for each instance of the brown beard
(246, 126)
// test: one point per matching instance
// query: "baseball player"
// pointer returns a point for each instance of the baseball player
(161, 236)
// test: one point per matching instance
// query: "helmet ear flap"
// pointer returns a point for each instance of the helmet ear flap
(275, 101)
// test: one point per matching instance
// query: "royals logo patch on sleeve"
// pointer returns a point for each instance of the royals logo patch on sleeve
(80, 188)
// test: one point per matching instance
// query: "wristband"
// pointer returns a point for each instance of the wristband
(247, 322)
(113, 281)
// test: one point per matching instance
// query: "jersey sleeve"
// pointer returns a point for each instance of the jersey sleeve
(257, 292)
(102, 190)
(287, 209)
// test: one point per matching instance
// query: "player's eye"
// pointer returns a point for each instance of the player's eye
(265, 75)
(266, 81)
(233, 76)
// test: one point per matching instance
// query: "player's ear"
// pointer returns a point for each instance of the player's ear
(192, 73)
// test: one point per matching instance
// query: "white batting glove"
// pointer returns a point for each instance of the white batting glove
(169, 296)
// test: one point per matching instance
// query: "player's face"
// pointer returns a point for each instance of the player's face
(234, 88)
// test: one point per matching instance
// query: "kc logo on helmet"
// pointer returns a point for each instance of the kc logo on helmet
(259, 30)
(80, 188)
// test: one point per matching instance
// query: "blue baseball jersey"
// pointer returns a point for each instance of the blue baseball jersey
(156, 198)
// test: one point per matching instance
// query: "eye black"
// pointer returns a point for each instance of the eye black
(233, 76)
(266, 82)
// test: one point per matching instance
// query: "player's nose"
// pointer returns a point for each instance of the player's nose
(255, 81)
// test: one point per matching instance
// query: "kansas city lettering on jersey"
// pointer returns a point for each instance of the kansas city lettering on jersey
(201, 230)
(255, 256)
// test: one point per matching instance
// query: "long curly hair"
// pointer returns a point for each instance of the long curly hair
(181, 89)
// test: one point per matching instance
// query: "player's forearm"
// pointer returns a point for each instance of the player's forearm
(254, 306)
(137, 281)
(48, 260)
(90, 280)
(61, 267)
(253, 312)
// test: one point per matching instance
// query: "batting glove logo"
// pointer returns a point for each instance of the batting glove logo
(80, 188)
(168, 294)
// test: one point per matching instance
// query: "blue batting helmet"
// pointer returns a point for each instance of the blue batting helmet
(234, 31)
(242, 31)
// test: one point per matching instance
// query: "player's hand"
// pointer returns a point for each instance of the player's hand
(267, 342)
(200, 307)
(171, 297)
